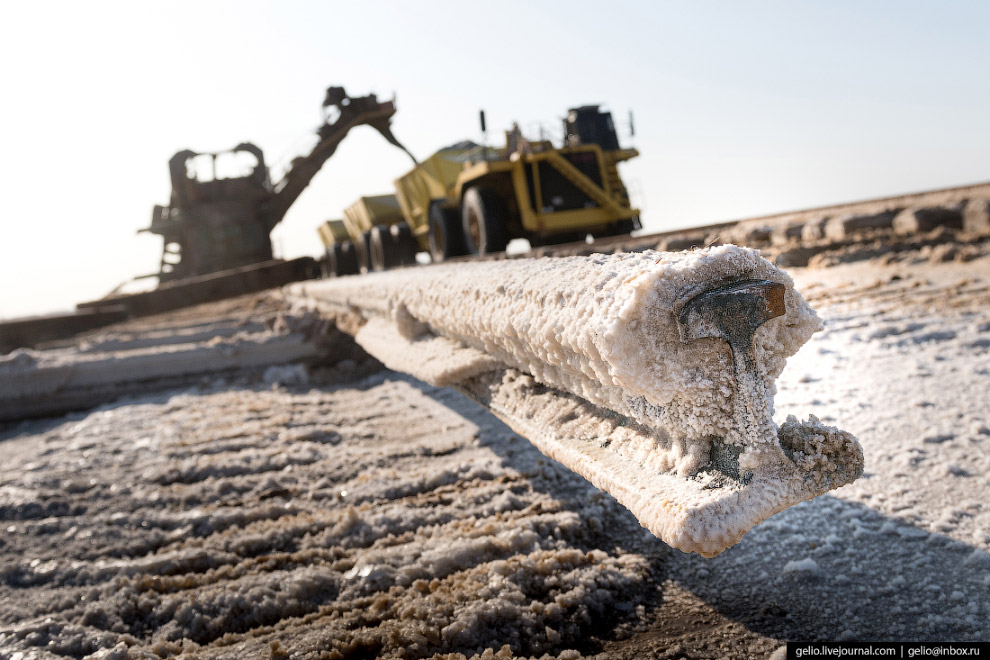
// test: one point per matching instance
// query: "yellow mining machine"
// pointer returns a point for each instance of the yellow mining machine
(469, 199)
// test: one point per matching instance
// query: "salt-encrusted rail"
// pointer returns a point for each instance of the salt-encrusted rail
(37, 383)
(604, 363)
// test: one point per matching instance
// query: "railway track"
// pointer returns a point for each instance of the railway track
(305, 499)
(784, 238)
(792, 221)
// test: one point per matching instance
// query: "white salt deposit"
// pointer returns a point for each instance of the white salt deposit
(601, 327)
(806, 565)
(222, 522)
(893, 547)
(307, 521)
(660, 423)
(290, 374)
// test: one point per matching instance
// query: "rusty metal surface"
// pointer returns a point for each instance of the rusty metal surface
(215, 286)
(733, 312)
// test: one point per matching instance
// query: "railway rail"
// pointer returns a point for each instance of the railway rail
(790, 239)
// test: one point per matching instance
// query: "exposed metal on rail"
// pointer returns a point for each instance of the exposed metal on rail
(734, 312)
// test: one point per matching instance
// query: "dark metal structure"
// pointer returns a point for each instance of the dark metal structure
(589, 125)
(213, 224)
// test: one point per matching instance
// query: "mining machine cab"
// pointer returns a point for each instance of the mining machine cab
(468, 199)
(217, 223)
(213, 223)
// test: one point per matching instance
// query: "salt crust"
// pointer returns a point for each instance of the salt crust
(630, 406)
(704, 513)
(602, 327)
(436, 360)
(40, 382)
(230, 524)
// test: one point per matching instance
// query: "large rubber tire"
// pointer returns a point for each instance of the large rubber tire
(342, 258)
(327, 263)
(483, 216)
(404, 243)
(446, 234)
(392, 246)
(363, 248)
(380, 244)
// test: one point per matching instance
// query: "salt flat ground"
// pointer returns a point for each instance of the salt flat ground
(378, 516)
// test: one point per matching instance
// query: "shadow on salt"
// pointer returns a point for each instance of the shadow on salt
(825, 569)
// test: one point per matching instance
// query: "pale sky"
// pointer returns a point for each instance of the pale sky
(741, 109)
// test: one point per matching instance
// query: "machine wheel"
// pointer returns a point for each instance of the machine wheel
(483, 216)
(406, 245)
(327, 263)
(342, 259)
(379, 245)
(446, 234)
(364, 255)
(392, 246)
